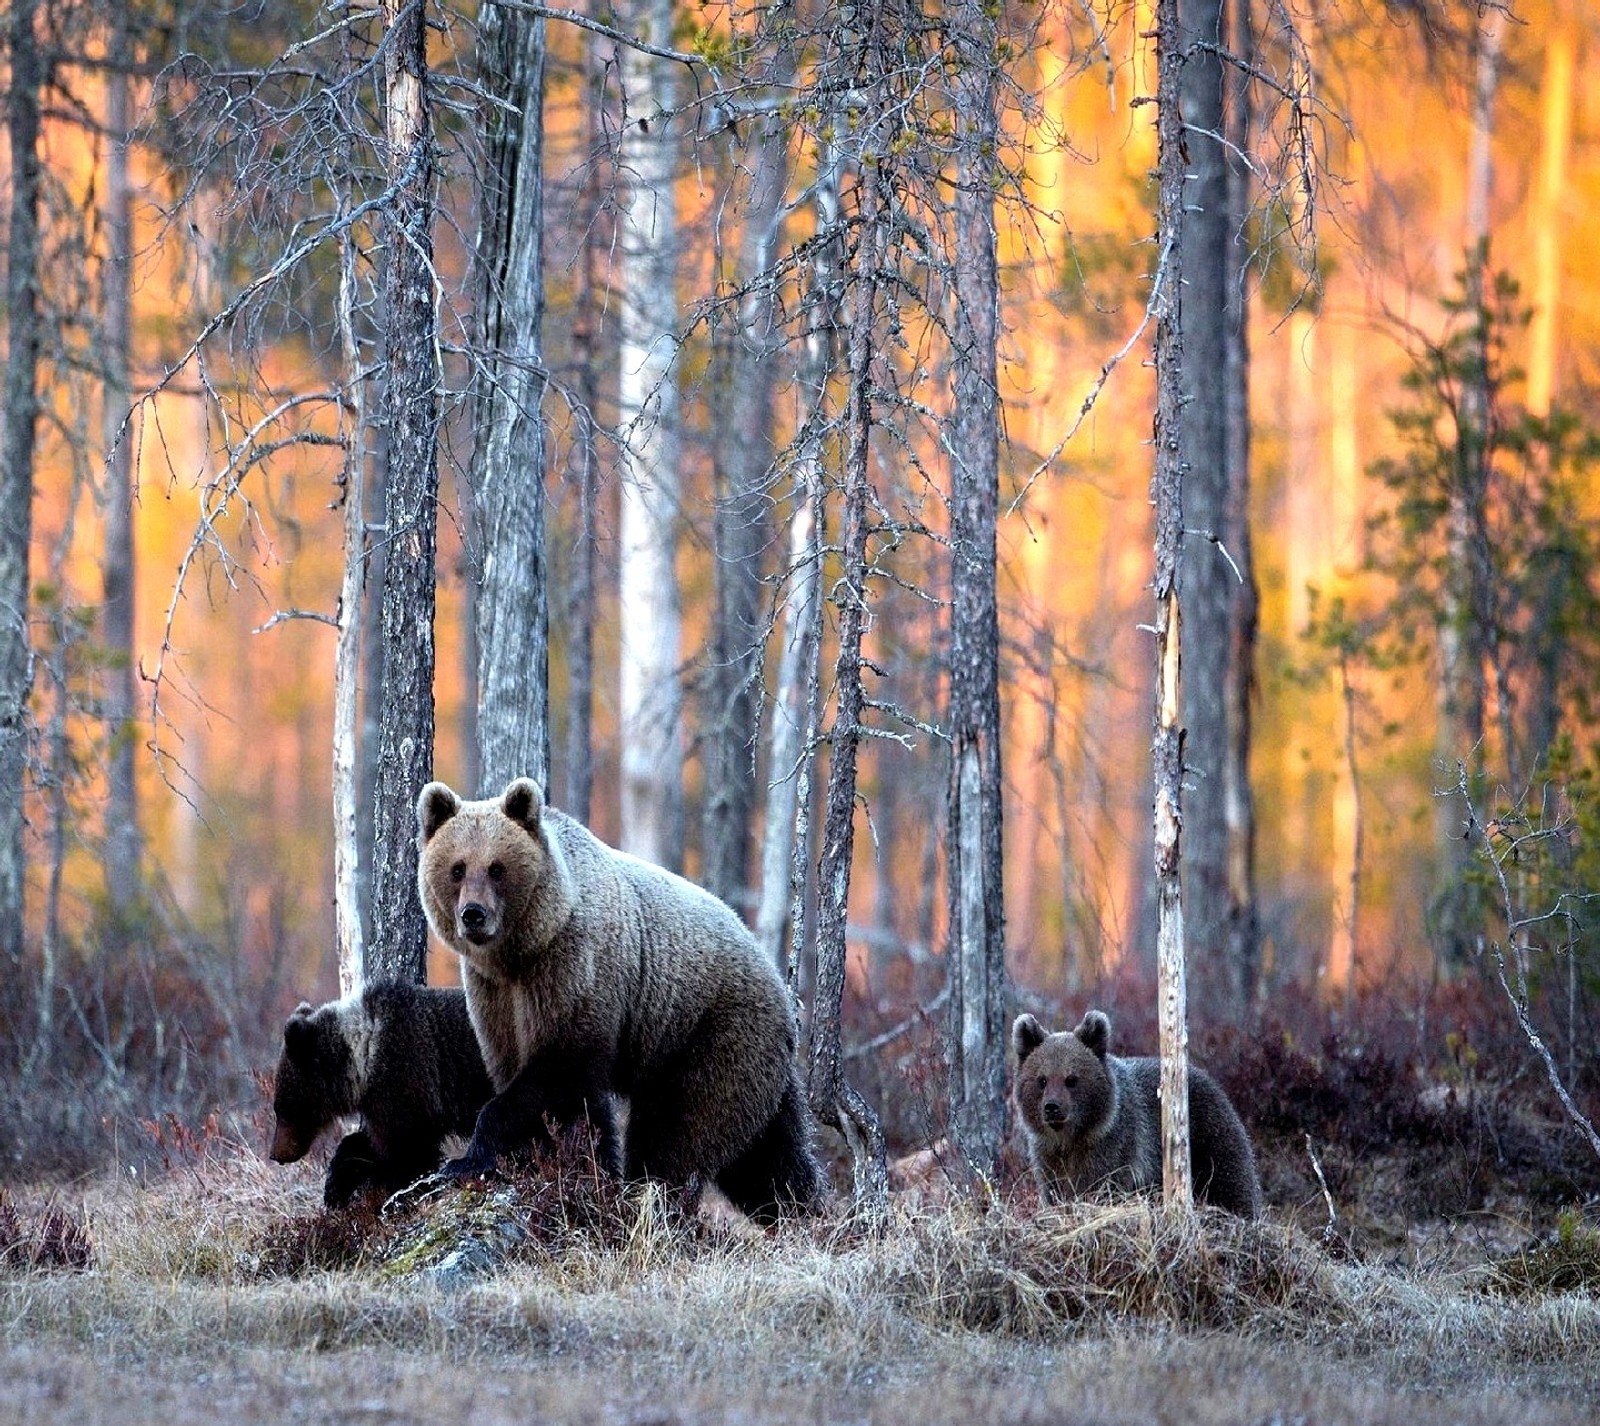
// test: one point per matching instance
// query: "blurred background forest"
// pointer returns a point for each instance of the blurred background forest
(1423, 299)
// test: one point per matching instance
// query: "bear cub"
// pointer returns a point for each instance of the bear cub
(1094, 1120)
(591, 975)
(402, 1056)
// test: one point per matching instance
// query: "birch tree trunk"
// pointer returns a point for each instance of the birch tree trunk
(743, 461)
(349, 932)
(1167, 751)
(122, 792)
(19, 416)
(651, 701)
(974, 882)
(405, 750)
(508, 463)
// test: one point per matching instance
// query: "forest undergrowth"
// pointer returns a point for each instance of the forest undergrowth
(1430, 1252)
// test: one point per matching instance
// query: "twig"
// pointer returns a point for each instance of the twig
(1330, 1229)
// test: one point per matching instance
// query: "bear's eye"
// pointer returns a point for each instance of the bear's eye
(497, 871)
(1044, 1081)
(458, 871)
(1069, 1081)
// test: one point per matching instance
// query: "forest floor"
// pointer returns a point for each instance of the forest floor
(217, 1290)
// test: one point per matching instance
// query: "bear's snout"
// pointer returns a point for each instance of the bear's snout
(1054, 1113)
(287, 1147)
(477, 922)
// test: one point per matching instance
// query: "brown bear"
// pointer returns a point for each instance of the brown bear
(1094, 1120)
(404, 1058)
(589, 974)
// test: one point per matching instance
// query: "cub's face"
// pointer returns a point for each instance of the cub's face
(312, 1085)
(481, 863)
(1063, 1087)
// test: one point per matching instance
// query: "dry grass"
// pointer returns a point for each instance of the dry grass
(223, 1292)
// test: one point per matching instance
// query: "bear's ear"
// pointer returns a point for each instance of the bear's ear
(436, 806)
(522, 802)
(1027, 1034)
(1095, 1032)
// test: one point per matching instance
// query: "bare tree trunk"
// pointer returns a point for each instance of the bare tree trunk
(1167, 751)
(405, 752)
(974, 884)
(650, 704)
(122, 792)
(789, 762)
(833, 1100)
(17, 438)
(375, 484)
(1243, 945)
(349, 935)
(1209, 587)
(1547, 216)
(581, 583)
(1462, 691)
(743, 460)
(508, 465)
(793, 727)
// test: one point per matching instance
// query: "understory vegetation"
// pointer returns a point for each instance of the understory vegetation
(1430, 1252)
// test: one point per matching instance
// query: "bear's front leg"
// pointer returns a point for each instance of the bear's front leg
(353, 1166)
(565, 1088)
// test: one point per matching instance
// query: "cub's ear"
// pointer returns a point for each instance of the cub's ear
(436, 806)
(522, 802)
(1027, 1034)
(298, 1034)
(1095, 1032)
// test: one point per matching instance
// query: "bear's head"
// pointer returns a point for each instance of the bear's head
(487, 874)
(1064, 1088)
(316, 1080)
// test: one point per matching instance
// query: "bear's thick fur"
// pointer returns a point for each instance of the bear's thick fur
(403, 1057)
(1094, 1120)
(590, 973)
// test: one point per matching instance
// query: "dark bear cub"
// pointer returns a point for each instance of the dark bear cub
(1093, 1120)
(402, 1056)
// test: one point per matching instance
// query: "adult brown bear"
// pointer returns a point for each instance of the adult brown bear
(589, 974)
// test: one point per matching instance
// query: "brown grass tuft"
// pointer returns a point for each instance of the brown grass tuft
(49, 1237)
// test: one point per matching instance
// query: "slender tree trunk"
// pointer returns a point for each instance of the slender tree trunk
(1207, 259)
(122, 793)
(1167, 750)
(19, 418)
(1547, 215)
(741, 530)
(974, 883)
(651, 699)
(405, 752)
(1243, 948)
(581, 582)
(833, 1100)
(793, 724)
(508, 465)
(1462, 690)
(349, 933)
(375, 485)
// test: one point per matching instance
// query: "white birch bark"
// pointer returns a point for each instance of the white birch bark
(650, 708)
